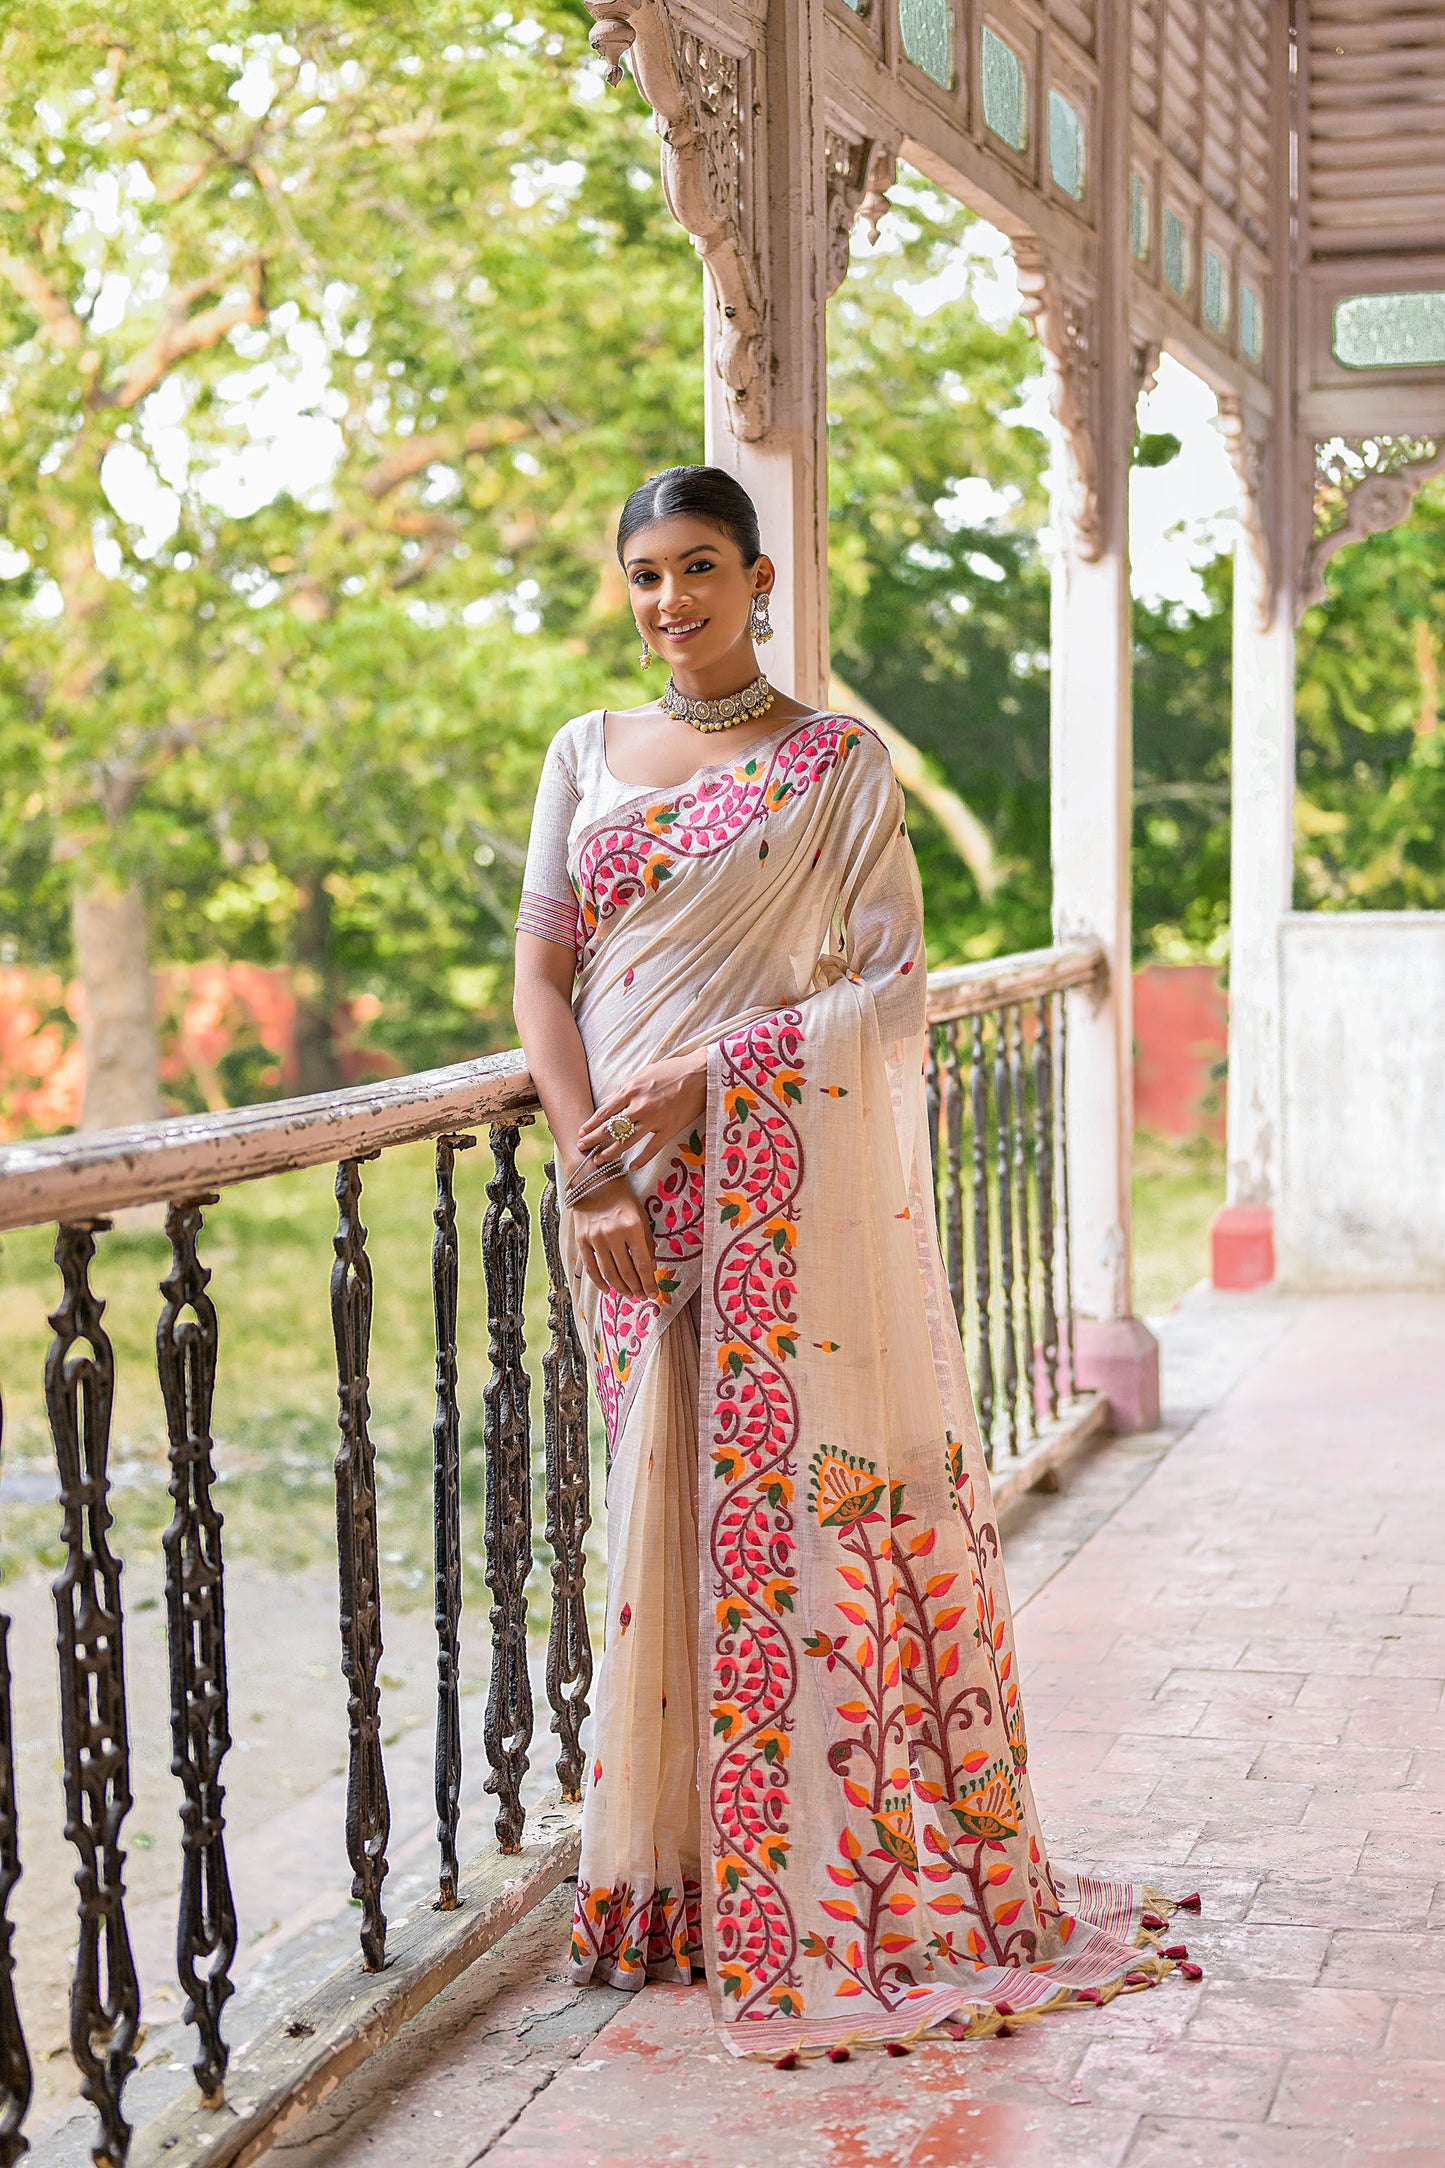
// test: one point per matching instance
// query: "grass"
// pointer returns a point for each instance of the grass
(1178, 1188)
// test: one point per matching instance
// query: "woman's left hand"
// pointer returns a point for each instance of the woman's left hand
(662, 1100)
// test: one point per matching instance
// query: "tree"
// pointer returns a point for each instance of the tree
(939, 593)
(302, 718)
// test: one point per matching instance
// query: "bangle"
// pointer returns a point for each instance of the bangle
(593, 1174)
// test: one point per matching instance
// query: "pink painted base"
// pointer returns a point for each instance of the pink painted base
(1119, 1357)
(1241, 1246)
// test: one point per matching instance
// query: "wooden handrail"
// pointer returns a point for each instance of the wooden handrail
(969, 989)
(80, 1178)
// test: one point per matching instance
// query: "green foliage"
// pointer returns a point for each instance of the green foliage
(1370, 814)
(1181, 775)
(939, 595)
(308, 721)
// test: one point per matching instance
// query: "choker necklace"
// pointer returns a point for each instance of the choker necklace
(745, 707)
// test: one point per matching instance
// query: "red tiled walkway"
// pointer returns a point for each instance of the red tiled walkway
(1236, 1684)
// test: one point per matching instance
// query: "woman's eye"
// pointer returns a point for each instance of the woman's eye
(701, 564)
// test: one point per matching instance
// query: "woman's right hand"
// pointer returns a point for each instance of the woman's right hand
(614, 1240)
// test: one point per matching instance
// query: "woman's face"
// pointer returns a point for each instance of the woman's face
(691, 593)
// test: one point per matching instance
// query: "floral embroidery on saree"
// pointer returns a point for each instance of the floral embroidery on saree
(633, 855)
(871, 1860)
(754, 1432)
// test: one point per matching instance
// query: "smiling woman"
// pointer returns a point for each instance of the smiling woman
(810, 1775)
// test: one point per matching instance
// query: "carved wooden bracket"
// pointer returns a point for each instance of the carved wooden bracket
(1361, 485)
(1063, 319)
(704, 104)
(1246, 434)
(859, 178)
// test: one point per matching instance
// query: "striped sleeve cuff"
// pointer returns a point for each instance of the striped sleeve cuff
(548, 919)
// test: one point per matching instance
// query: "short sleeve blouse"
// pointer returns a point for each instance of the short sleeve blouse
(576, 788)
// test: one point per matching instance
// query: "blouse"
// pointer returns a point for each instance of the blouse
(576, 788)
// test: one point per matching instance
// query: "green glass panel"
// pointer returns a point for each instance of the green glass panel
(1390, 331)
(1251, 324)
(1005, 91)
(1176, 251)
(1216, 292)
(926, 27)
(859, 7)
(1066, 145)
(1138, 218)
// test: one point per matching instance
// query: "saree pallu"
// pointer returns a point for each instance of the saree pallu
(810, 1772)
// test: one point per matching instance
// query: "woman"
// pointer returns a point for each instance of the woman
(810, 1769)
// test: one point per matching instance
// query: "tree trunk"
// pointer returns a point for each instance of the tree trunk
(316, 1069)
(117, 1026)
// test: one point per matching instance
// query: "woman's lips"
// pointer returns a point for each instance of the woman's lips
(682, 632)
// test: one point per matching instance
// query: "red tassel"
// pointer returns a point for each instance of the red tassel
(1005, 2032)
(1088, 1994)
(786, 2062)
(1192, 1972)
(1177, 1949)
(839, 2055)
(955, 2028)
(1155, 1922)
(895, 2047)
(1004, 2009)
(1191, 1904)
(1138, 1979)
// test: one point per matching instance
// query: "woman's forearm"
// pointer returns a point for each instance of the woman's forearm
(553, 1047)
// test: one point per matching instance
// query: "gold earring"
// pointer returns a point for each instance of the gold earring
(645, 658)
(760, 623)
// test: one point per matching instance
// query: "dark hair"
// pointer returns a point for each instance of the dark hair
(705, 492)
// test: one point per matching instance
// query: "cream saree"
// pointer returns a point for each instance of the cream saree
(810, 1775)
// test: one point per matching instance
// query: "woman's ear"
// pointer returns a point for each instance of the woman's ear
(765, 575)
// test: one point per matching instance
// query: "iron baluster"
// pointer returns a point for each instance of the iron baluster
(564, 1415)
(982, 1275)
(1018, 1086)
(930, 1093)
(1062, 1130)
(368, 1811)
(953, 1195)
(186, 1342)
(95, 1744)
(1044, 1163)
(15, 2074)
(507, 1730)
(1003, 1114)
(447, 1518)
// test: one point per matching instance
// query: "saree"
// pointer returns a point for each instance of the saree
(810, 1769)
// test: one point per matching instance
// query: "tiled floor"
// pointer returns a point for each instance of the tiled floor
(1236, 1684)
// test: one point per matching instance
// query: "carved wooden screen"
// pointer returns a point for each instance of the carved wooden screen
(1372, 214)
(1371, 278)
(999, 96)
(1207, 139)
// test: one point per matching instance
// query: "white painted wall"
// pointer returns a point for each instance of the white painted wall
(1363, 1191)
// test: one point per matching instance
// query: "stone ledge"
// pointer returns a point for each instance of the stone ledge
(303, 2056)
(1085, 1418)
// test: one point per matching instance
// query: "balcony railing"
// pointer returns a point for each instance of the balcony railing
(997, 1063)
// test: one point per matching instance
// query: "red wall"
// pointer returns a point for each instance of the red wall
(1180, 1040)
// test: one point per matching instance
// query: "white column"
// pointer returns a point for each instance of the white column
(1091, 775)
(785, 472)
(1092, 766)
(1261, 875)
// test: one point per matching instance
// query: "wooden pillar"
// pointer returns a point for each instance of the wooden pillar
(785, 468)
(1093, 373)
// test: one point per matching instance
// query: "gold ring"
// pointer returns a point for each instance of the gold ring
(620, 1128)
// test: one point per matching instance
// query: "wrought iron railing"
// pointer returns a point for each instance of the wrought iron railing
(996, 1098)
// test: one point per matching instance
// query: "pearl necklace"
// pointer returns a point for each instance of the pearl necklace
(743, 707)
